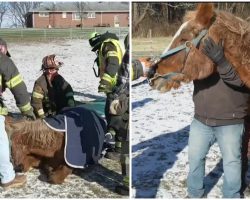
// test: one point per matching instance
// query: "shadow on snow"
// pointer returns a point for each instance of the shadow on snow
(156, 156)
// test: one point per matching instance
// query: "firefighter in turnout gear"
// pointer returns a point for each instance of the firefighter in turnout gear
(109, 58)
(119, 107)
(10, 78)
(51, 92)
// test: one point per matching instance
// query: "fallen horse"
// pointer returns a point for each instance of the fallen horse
(71, 139)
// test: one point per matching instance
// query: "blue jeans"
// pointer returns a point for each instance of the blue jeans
(7, 172)
(229, 138)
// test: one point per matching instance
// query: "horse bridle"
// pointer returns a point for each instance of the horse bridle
(186, 46)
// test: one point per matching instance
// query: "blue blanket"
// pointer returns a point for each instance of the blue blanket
(84, 135)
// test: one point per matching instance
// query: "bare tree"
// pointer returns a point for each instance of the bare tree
(80, 8)
(20, 9)
(3, 10)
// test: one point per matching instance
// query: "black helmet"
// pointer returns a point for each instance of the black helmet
(97, 39)
(126, 41)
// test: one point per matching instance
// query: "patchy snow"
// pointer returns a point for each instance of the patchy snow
(160, 126)
(77, 70)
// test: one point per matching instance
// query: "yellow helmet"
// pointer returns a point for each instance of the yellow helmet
(93, 34)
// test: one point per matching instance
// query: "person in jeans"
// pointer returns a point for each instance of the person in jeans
(10, 78)
(220, 103)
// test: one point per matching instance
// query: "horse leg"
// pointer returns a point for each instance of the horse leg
(30, 162)
(59, 174)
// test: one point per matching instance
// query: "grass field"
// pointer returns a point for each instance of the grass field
(31, 34)
(149, 46)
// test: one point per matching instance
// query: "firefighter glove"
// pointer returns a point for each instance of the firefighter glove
(29, 114)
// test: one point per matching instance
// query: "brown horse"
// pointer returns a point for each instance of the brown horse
(183, 60)
(36, 145)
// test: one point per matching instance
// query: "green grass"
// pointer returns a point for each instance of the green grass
(149, 47)
(30, 34)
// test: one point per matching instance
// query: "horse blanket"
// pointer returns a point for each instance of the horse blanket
(84, 135)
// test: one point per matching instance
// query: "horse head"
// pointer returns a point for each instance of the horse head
(183, 60)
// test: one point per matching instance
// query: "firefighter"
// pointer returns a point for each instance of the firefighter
(51, 92)
(10, 78)
(109, 58)
(120, 107)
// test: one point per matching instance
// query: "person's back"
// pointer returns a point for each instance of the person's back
(51, 92)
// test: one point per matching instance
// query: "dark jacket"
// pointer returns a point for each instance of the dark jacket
(120, 114)
(220, 99)
(10, 78)
(50, 98)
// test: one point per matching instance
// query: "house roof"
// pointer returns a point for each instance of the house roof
(87, 7)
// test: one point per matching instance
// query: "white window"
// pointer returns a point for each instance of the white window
(64, 15)
(76, 16)
(43, 14)
(91, 15)
(116, 21)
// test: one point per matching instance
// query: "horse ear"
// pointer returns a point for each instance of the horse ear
(205, 13)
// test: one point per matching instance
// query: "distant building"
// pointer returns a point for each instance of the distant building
(68, 15)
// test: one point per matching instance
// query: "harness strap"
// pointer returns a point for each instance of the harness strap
(194, 41)
(145, 81)
(167, 76)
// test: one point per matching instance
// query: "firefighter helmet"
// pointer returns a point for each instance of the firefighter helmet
(49, 62)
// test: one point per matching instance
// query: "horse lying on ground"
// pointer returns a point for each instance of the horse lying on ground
(183, 60)
(35, 144)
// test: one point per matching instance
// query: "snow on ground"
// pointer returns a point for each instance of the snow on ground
(160, 126)
(98, 182)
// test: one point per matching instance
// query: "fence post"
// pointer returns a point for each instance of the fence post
(45, 34)
(21, 33)
(70, 33)
(151, 42)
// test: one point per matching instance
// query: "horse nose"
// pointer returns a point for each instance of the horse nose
(19, 168)
(150, 82)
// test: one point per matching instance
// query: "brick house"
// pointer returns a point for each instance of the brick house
(69, 15)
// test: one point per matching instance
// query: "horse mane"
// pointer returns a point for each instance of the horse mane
(236, 35)
(36, 134)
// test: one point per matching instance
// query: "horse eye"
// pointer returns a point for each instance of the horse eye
(183, 40)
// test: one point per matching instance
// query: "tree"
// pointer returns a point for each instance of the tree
(80, 8)
(3, 10)
(19, 10)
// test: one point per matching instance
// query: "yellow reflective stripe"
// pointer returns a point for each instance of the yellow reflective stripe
(119, 52)
(118, 144)
(132, 74)
(108, 78)
(14, 81)
(126, 181)
(37, 95)
(25, 108)
(3, 111)
(40, 112)
(112, 53)
(118, 48)
(69, 94)
(0, 80)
